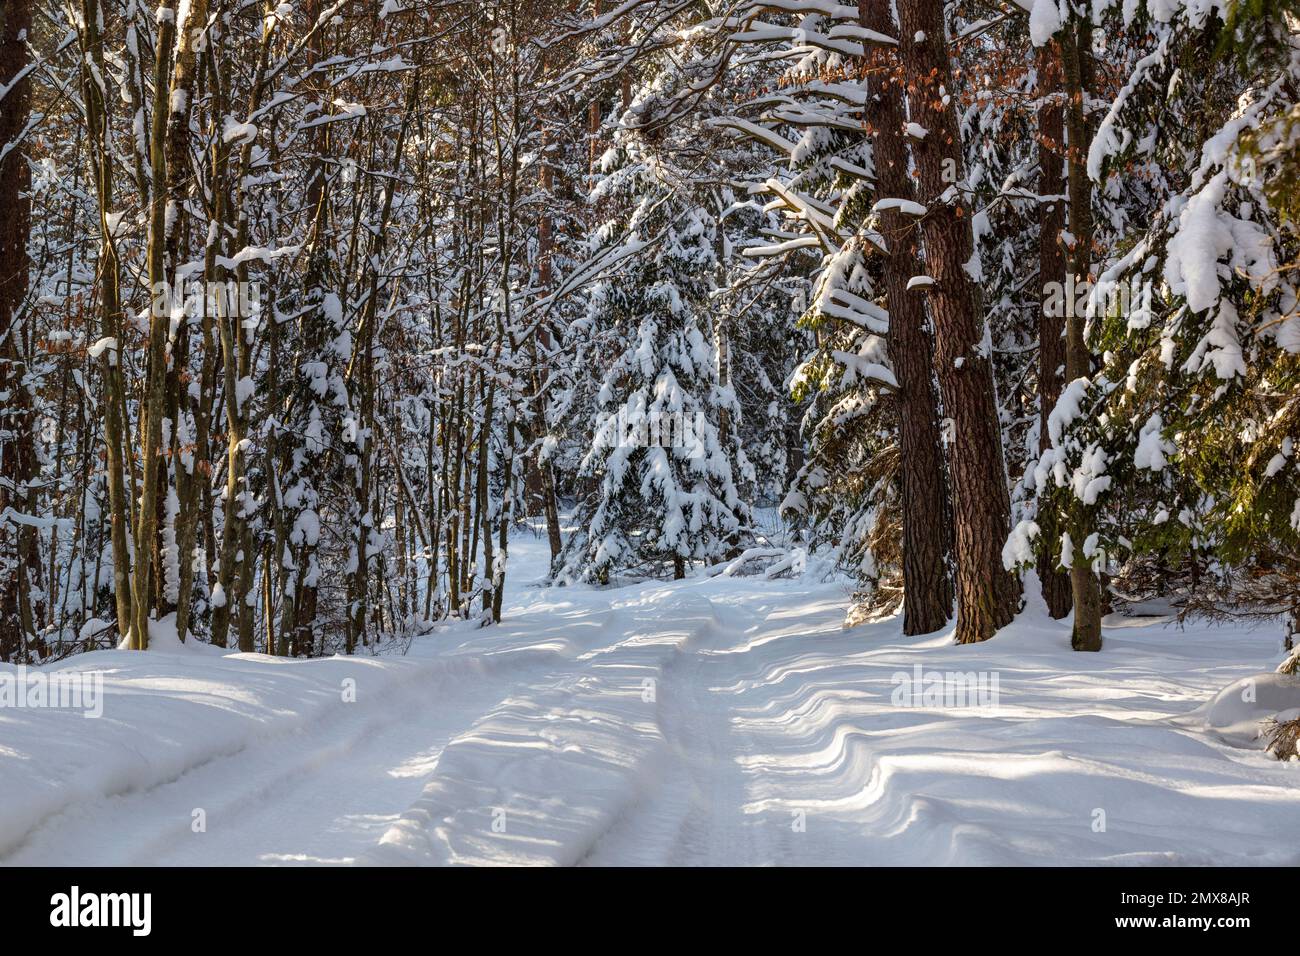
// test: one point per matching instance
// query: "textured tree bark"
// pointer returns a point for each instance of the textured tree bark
(364, 384)
(483, 502)
(151, 410)
(453, 441)
(299, 586)
(187, 462)
(506, 518)
(987, 595)
(237, 554)
(232, 534)
(593, 113)
(540, 476)
(17, 455)
(110, 310)
(1051, 268)
(927, 587)
(1077, 61)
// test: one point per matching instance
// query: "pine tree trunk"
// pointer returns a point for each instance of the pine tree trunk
(1051, 268)
(1077, 59)
(17, 455)
(987, 595)
(927, 587)
(593, 113)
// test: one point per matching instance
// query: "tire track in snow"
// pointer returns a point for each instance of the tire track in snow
(693, 814)
(544, 777)
(277, 798)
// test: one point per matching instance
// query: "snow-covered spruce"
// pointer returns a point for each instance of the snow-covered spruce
(663, 461)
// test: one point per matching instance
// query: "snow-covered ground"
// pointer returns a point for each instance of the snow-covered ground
(722, 720)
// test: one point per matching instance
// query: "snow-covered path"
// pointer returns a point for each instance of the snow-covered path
(318, 795)
(701, 722)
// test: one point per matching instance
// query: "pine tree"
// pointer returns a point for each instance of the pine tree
(1180, 444)
(667, 475)
(987, 594)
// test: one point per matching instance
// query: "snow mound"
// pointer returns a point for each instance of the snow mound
(1239, 710)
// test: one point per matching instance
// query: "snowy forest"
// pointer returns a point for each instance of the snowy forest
(331, 326)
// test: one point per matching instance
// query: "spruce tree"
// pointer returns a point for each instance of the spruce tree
(665, 477)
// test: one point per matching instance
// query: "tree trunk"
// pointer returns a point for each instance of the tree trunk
(927, 588)
(483, 501)
(593, 114)
(110, 311)
(188, 463)
(539, 469)
(299, 593)
(1051, 268)
(987, 594)
(151, 410)
(1077, 59)
(17, 455)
